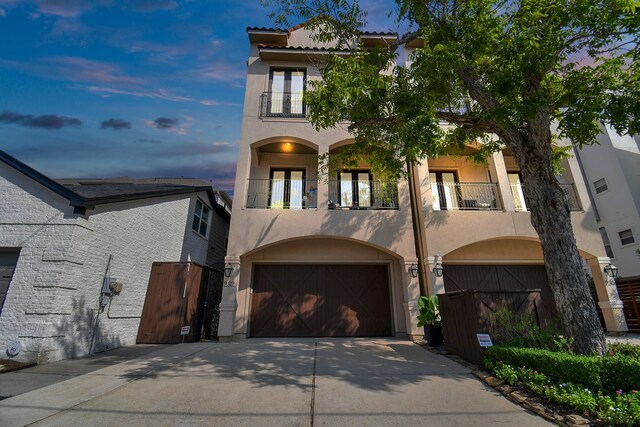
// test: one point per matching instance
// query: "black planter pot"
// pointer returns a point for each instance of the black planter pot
(433, 334)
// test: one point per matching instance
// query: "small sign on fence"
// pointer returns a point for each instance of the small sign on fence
(484, 340)
(185, 330)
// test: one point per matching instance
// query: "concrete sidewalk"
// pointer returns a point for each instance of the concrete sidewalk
(260, 382)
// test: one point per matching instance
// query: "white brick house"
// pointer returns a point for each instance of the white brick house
(58, 242)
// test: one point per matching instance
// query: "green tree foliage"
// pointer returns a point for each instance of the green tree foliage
(528, 71)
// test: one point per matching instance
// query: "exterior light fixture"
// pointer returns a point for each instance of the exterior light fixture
(287, 147)
(437, 269)
(413, 270)
(228, 269)
(611, 270)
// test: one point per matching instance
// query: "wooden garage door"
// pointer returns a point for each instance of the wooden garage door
(320, 301)
(500, 278)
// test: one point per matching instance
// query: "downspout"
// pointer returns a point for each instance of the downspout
(418, 226)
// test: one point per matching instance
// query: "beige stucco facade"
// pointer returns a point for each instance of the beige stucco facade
(481, 226)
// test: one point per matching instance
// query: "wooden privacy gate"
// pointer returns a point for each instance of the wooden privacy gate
(467, 313)
(629, 292)
(313, 300)
(492, 278)
(177, 297)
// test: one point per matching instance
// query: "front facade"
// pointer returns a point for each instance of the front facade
(325, 255)
(58, 244)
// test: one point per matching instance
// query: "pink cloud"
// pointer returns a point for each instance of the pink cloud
(68, 8)
(75, 69)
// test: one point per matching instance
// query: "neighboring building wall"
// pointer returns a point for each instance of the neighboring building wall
(616, 159)
(52, 306)
(219, 233)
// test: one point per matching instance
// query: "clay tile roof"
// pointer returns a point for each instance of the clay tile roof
(272, 30)
(379, 33)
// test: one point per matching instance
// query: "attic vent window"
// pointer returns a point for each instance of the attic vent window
(201, 218)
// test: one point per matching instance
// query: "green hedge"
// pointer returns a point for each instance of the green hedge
(620, 373)
(598, 373)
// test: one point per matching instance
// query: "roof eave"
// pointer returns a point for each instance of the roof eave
(74, 198)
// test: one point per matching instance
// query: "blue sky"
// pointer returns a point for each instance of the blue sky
(100, 88)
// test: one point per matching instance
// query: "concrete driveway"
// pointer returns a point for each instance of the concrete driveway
(292, 382)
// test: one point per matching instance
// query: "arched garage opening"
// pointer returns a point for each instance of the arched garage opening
(322, 287)
(502, 265)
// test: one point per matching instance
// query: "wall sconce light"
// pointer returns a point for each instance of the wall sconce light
(287, 147)
(228, 269)
(413, 270)
(611, 270)
(437, 269)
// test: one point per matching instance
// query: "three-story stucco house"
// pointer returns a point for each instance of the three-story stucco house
(318, 255)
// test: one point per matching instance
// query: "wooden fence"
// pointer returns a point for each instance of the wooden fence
(629, 292)
(467, 313)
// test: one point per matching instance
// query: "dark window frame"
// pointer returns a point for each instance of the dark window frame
(624, 241)
(602, 188)
(355, 193)
(286, 198)
(606, 242)
(286, 106)
(441, 194)
(196, 224)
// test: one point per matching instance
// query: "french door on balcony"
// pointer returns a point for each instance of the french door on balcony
(517, 191)
(356, 189)
(444, 190)
(286, 88)
(287, 189)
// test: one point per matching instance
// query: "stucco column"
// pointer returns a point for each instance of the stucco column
(437, 283)
(229, 301)
(608, 298)
(499, 176)
(411, 291)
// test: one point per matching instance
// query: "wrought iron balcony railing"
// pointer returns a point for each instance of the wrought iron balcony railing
(521, 200)
(465, 196)
(363, 194)
(282, 104)
(282, 194)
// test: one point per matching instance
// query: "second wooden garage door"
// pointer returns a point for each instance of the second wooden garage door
(320, 301)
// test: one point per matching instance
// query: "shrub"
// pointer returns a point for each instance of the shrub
(521, 330)
(620, 373)
(621, 408)
(560, 367)
(624, 349)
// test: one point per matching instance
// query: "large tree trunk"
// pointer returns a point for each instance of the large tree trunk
(550, 216)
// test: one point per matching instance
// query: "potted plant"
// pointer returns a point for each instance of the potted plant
(429, 317)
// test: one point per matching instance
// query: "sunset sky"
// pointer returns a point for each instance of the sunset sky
(140, 88)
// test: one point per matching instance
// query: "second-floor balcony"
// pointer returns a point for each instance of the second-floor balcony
(293, 194)
(521, 199)
(465, 196)
(282, 104)
(363, 194)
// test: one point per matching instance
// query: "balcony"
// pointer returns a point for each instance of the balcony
(294, 194)
(363, 195)
(520, 198)
(465, 196)
(282, 104)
